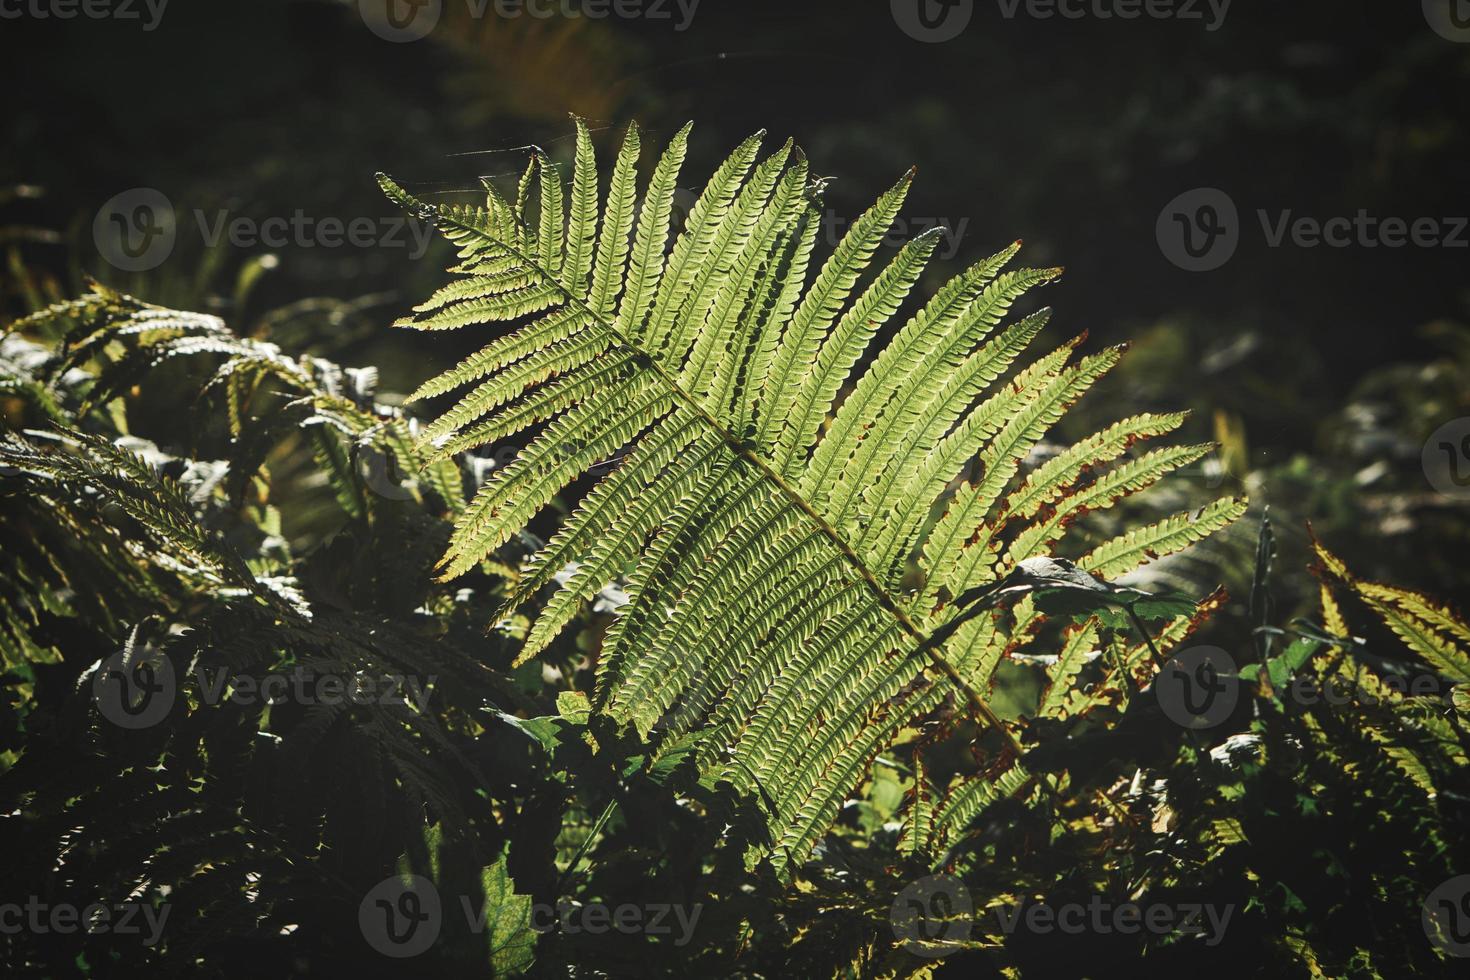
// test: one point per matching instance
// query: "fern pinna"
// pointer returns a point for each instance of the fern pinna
(767, 634)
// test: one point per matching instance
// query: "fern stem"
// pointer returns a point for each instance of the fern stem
(1147, 638)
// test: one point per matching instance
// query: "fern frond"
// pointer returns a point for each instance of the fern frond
(805, 337)
(647, 261)
(617, 230)
(1138, 547)
(966, 800)
(757, 557)
(582, 227)
(1061, 698)
(1107, 490)
(953, 553)
(918, 825)
(710, 231)
(1432, 631)
(155, 502)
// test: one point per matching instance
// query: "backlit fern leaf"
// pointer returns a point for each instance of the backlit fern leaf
(1432, 630)
(157, 503)
(763, 557)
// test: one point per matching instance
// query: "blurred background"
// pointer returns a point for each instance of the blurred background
(1321, 366)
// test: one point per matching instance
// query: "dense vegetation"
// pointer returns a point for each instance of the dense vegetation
(822, 653)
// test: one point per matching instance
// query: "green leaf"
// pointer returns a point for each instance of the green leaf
(510, 941)
(573, 706)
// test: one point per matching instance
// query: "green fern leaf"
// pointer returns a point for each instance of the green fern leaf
(756, 551)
